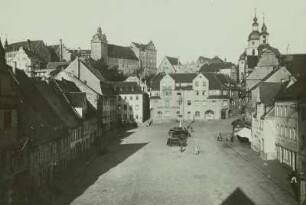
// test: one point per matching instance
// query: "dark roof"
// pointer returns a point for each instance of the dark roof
(215, 67)
(203, 59)
(54, 53)
(293, 92)
(214, 82)
(252, 61)
(32, 55)
(67, 86)
(107, 88)
(216, 59)
(2, 54)
(155, 81)
(25, 44)
(141, 46)
(242, 56)
(262, 47)
(296, 64)
(265, 78)
(173, 61)
(57, 65)
(115, 51)
(183, 77)
(268, 91)
(77, 99)
(126, 88)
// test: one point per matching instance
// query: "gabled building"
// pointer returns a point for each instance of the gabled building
(203, 96)
(226, 68)
(132, 103)
(29, 56)
(169, 65)
(147, 54)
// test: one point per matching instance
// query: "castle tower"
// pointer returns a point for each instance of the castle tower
(264, 35)
(99, 46)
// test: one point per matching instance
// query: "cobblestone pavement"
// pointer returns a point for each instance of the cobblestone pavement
(141, 169)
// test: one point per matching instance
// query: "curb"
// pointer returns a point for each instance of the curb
(263, 172)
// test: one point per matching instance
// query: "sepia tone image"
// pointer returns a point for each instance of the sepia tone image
(152, 102)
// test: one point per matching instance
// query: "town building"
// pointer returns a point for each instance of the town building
(132, 103)
(29, 56)
(190, 96)
(227, 68)
(13, 159)
(147, 55)
(169, 65)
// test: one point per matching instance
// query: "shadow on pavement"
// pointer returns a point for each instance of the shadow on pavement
(238, 197)
(108, 158)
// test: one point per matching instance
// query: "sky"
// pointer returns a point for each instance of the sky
(178, 28)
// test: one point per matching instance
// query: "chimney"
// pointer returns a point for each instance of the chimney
(61, 50)
(14, 67)
(29, 44)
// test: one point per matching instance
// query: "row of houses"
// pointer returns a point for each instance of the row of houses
(33, 56)
(49, 122)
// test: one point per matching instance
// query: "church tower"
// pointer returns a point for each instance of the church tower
(264, 35)
(99, 48)
(253, 39)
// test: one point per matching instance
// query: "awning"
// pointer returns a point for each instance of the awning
(245, 132)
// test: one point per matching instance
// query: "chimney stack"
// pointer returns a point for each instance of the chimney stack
(14, 67)
(61, 50)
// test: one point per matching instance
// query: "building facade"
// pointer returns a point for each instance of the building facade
(147, 55)
(189, 96)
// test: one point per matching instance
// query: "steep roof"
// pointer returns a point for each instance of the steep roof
(173, 61)
(268, 91)
(214, 81)
(141, 46)
(116, 51)
(259, 73)
(155, 81)
(57, 65)
(215, 67)
(262, 47)
(293, 92)
(77, 99)
(203, 59)
(26, 44)
(296, 64)
(216, 59)
(183, 77)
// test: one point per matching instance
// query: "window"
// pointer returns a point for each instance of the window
(204, 83)
(125, 98)
(196, 84)
(286, 131)
(136, 107)
(131, 108)
(131, 117)
(178, 112)
(137, 97)
(7, 119)
(253, 52)
(277, 129)
(125, 107)
(131, 97)
(136, 117)
(159, 113)
(167, 103)
(203, 92)
(197, 114)
(253, 43)
(197, 92)
(189, 102)
(178, 93)
(285, 111)
(281, 130)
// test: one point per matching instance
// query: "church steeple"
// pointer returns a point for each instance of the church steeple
(264, 35)
(255, 23)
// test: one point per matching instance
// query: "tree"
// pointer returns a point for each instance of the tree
(110, 74)
(2, 54)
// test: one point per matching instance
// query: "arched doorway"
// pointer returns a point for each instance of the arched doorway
(209, 114)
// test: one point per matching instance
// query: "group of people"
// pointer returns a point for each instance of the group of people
(230, 137)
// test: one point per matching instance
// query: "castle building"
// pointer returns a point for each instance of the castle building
(120, 57)
(146, 54)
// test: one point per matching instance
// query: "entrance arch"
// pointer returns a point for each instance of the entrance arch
(209, 114)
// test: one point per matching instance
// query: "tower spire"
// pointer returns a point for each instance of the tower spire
(255, 23)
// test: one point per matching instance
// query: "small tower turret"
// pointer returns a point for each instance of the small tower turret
(264, 35)
(99, 46)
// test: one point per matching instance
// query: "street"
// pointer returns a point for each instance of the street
(139, 168)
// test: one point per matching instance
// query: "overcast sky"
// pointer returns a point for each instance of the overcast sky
(184, 28)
